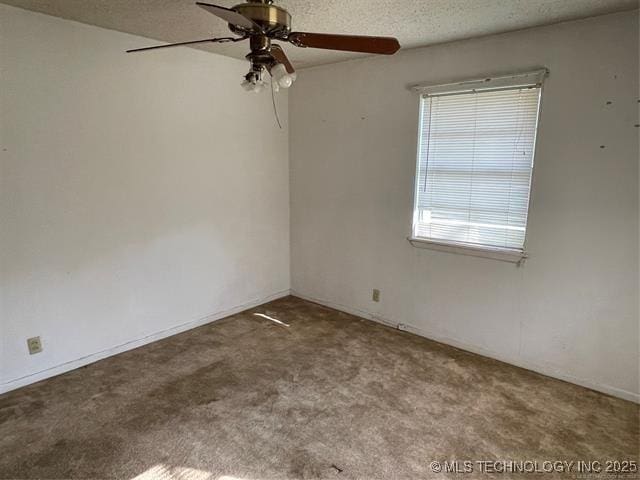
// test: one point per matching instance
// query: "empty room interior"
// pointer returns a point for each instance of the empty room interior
(294, 239)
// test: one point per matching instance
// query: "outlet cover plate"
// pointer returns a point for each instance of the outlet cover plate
(35, 345)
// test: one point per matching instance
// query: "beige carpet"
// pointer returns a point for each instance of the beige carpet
(327, 395)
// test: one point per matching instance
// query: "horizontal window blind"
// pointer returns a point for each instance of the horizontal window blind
(475, 163)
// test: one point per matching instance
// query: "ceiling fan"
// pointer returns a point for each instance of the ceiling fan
(260, 22)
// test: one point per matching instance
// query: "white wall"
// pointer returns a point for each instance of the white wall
(572, 310)
(138, 193)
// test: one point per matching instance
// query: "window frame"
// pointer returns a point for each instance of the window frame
(531, 79)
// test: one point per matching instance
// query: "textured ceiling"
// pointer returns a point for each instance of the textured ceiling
(414, 22)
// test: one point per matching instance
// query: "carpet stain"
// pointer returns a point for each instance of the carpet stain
(60, 458)
(15, 408)
(328, 396)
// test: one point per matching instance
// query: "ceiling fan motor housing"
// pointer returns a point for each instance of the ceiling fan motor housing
(274, 21)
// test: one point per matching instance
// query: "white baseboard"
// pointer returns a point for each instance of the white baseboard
(547, 370)
(94, 357)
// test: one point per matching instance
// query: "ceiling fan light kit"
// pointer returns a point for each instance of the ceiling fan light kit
(260, 22)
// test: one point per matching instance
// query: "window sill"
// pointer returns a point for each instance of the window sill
(501, 254)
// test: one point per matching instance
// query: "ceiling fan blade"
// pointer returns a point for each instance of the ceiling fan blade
(192, 42)
(278, 54)
(230, 16)
(349, 43)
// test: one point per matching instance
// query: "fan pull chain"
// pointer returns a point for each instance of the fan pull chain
(273, 100)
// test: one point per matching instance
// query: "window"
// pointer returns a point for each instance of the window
(475, 161)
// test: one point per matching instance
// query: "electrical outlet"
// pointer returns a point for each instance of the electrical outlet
(376, 295)
(35, 345)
